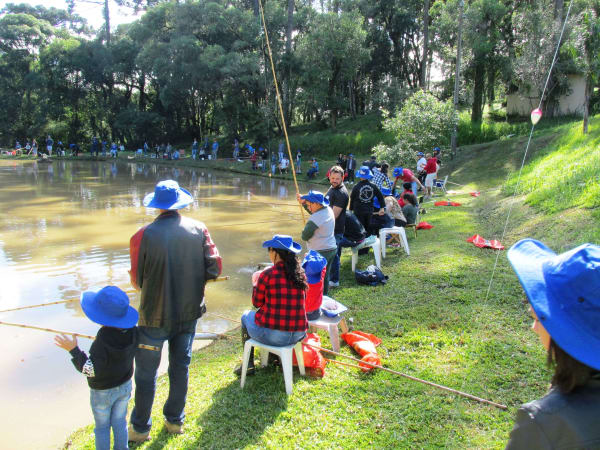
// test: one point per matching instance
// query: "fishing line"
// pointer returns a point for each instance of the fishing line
(527, 149)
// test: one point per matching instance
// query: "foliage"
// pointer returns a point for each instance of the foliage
(423, 123)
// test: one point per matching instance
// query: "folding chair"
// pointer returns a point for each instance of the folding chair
(440, 184)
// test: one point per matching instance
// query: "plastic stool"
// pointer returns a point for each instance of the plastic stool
(376, 250)
(393, 230)
(285, 355)
(331, 325)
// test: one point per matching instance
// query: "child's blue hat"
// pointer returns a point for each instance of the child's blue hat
(420, 154)
(386, 191)
(168, 195)
(437, 149)
(283, 242)
(313, 265)
(109, 306)
(316, 197)
(398, 172)
(564, 292)
(364, 172)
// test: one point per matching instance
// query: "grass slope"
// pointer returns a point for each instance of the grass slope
(435, 322)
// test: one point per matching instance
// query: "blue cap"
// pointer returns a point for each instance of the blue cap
(283, 242)
(564, 292)
(420, 154)
(168, 195)
(437, 149)
(364, 172)
(313, 265)
(316, 197)
(109, 306)
(386, 191)
(398, 172)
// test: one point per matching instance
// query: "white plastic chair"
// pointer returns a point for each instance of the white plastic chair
(383, 233)
(376, 250)
(285, 355)
(331, 325)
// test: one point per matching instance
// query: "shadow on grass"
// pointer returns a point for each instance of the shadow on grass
(238, 417)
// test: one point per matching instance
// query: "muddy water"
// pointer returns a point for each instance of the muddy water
(65, 228)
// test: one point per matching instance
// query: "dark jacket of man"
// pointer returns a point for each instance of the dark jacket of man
(362, 195)
(560, 420)
(171, 259)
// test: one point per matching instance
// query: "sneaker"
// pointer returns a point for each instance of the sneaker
(134, 436)
(174, 428)
(334, 284)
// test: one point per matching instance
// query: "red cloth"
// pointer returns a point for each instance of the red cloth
(134, 251)
(447, 203)
(407, 175)
(364, 344)
(485, 243)
(475, 194)
(401, 201)
(431, 166)
(280, 303)
(314, 362)
(314, 294)
(424, 226)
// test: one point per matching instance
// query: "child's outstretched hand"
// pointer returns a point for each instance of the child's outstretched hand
(66, 342)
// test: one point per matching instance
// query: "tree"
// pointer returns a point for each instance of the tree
(422, 123)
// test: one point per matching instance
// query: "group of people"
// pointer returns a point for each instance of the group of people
(563, 292)
(31, 147)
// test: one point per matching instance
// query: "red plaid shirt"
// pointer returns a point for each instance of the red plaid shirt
(280, 304)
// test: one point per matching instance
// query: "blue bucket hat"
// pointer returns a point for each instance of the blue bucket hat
(109, 306)
(168, 195)
(386, 191)
(564, 292)
(364, 172)
(316, 197)
(283, 242)
(313, 264)
(398, 172)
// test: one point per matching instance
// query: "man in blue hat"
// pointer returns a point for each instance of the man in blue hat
(362, 195)
(171, 260)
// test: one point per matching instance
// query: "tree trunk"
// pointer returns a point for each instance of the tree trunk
(425, 44)
(107, 22)
(142, 89)
(586, 103)
(477, 111)
(490, 86)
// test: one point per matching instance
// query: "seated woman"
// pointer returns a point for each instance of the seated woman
(393, 209)
(279, 293)
(410, 209)
(384, 221)
(564, 296)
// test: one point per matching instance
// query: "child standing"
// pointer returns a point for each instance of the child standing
(109, 366)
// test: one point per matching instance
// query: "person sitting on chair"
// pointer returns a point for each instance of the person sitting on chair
(279, 293)
(410, 209)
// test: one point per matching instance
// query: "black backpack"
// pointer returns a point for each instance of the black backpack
(370, 277)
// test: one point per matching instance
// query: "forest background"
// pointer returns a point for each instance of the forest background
(200, 69)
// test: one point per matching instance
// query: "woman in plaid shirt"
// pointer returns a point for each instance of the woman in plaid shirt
(279, 293)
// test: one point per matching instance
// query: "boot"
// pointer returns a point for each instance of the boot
(251, 369)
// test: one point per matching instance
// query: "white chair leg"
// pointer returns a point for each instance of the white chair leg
(286, 363)
(300, 357)
(354, 259)
(264, 357)
(334, 337)
(382, 239)
(377, 251)
(404, 241)
(245, 360)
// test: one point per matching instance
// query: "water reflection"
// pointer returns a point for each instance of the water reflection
(65, 227)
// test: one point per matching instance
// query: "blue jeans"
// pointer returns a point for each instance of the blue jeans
(146, 366)
(414, 189)
(269, 336)
(341, 242)
(110, 411)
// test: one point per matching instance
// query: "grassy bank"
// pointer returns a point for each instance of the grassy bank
(435, 323)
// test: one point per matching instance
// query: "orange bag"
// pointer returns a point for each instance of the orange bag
(314, 363)
(364, 344)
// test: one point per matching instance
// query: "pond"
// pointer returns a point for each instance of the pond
(65, 228)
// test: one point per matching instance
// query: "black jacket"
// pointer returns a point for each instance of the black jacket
(362, 195)
(560, 421)
(110, 363)
(353, 230)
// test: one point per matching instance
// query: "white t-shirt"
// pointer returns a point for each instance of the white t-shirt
(421, 164)
(323, 239)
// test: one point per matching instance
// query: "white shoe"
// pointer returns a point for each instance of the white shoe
(334, 284)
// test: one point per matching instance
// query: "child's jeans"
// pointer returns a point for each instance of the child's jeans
(110, 411)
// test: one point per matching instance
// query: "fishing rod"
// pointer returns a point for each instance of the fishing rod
(69, 333)
(211, 199)
(410, 377)
(214, 280)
